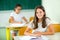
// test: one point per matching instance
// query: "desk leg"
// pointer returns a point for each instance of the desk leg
(7, 33)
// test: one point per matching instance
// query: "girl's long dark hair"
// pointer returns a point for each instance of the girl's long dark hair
(36, 19)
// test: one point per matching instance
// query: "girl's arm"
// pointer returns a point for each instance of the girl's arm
(27, 32)
(25, 19)
(48, 32)
(11, 20)
(30, 34)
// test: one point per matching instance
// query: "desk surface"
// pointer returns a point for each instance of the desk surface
(15, 25)
(56, 36)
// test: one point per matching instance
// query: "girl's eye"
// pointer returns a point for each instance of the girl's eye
(40, 12)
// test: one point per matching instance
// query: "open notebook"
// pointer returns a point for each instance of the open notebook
(23, 37)
(29, 37)
(17, 25)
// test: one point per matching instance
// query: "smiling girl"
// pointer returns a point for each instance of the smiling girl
(40, 24)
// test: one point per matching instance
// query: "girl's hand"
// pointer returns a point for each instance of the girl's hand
(19, 22)
(37, 34)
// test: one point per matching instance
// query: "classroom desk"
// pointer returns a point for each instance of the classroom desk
(56, 36)
(8, 28)
(56, 29)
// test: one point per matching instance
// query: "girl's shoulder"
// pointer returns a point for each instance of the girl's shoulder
(48, 21)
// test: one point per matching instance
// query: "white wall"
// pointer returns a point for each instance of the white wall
(52, 9)
(4, 16)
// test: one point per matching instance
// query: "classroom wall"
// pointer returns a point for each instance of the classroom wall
(2, 33)
(52, 9)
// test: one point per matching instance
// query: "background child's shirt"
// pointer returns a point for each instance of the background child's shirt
(17, 17)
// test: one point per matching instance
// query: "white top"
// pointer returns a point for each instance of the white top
(31, 25)
(17, 17)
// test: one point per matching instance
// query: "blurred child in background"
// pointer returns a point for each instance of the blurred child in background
(16, 17)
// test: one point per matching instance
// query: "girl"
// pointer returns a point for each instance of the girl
(16, 17)
(39, 25)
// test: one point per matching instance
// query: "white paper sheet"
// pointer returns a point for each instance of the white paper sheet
(44, 37)
(16, 25)
(29, 37)
(23, 37)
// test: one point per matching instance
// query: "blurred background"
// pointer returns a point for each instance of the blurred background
(52, 8)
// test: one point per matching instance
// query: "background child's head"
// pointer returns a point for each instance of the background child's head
(17, 8)
(40, 15)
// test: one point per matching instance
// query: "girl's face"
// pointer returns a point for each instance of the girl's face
(17, 10)
(39, 13)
